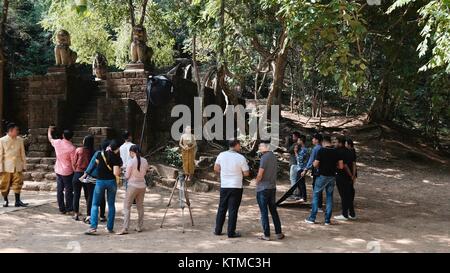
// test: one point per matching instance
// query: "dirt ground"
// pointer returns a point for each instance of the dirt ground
(402, 206)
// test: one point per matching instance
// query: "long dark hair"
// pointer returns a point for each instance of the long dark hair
(114, 145)
(88, 143)
(135, 149)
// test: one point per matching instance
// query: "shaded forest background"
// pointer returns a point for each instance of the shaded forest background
(389, 61)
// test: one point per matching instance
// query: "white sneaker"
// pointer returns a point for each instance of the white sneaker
(320, 210)
(308, 222)
(351, 218)
(340, 218)
(327, 224)
(301, 200)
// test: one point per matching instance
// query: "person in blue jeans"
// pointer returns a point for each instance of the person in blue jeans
(317, 142)
(108, 169)
(91, 172)
(327, 160)
(266, 190)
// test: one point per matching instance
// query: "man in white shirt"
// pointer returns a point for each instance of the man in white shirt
(232, 167)
(125, 153)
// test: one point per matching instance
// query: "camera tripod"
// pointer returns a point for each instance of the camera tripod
(183, 199)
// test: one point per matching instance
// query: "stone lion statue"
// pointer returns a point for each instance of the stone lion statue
(99, 66)
(63, 54)
(140, 52)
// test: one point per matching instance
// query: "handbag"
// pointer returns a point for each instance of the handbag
(118, 180)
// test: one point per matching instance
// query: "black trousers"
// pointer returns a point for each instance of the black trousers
(301, 187)
(347, 193)
(351, 208)
(77, 186)
(230, 200)
(64, 192)
(320, 201)
(90, 189)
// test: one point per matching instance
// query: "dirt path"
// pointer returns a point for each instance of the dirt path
(402, 204)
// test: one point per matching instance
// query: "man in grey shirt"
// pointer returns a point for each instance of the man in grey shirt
(266, 191)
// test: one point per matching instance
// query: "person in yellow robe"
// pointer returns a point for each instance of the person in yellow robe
(188, 146)
(12, 164)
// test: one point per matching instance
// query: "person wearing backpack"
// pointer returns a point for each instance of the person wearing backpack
(108, 172)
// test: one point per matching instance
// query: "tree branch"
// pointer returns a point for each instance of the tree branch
(131, 8)
(144, 7)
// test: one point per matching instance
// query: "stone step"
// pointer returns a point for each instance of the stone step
(77, 140)
(39, 186)
(80, 133)
(81, 127)
(41, 160)
(88, 121)
(39, 176)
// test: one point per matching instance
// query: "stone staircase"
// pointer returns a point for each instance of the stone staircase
(87, 118)
(40, 174)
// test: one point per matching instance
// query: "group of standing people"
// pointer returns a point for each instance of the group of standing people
(233, 167)
(330, 164)
(99, 173)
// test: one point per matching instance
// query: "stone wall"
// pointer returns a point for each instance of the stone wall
(16, 102)
(61, 98)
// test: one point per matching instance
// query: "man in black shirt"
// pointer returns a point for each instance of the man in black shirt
(326, 161)
(344, 178)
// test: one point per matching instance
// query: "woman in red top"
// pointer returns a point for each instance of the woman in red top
(80, 161)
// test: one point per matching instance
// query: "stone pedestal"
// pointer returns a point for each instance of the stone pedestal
(135, 67)
(56, 69)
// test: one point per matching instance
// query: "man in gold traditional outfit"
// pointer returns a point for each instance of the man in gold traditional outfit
(12, 164)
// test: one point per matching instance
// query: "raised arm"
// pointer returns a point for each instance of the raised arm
(49, 134)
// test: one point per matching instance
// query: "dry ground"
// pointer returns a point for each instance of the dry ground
(402, 206)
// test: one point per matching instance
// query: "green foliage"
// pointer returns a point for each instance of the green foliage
(172, 157)
(27, 46)
(435, 19)
(105, 27)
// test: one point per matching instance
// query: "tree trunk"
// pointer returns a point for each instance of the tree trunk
(2, 58)
(279, 68)
(200, 88)
(379, 111)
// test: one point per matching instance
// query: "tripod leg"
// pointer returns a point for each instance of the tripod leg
(182, 217)
(188, 203)
(168, 205)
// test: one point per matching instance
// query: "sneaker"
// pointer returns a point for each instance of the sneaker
(309, 222)
(91, 231)
(264, 238)
(352, 217)
(327, 223)
(138, 229)
(301, 200)
(103, 219)
(340, 218)
(320, 210)
(280, 236)
(217, 234)
(109, 230)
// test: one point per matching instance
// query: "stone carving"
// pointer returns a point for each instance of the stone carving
(63, 54)
(99, 66)
(140, 52)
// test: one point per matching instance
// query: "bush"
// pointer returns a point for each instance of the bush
(172, 156)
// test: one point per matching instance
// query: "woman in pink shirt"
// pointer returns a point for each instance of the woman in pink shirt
(80, 160)
(135, 174)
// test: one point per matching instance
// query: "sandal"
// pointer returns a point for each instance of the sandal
(122, 232)
(91, 231)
